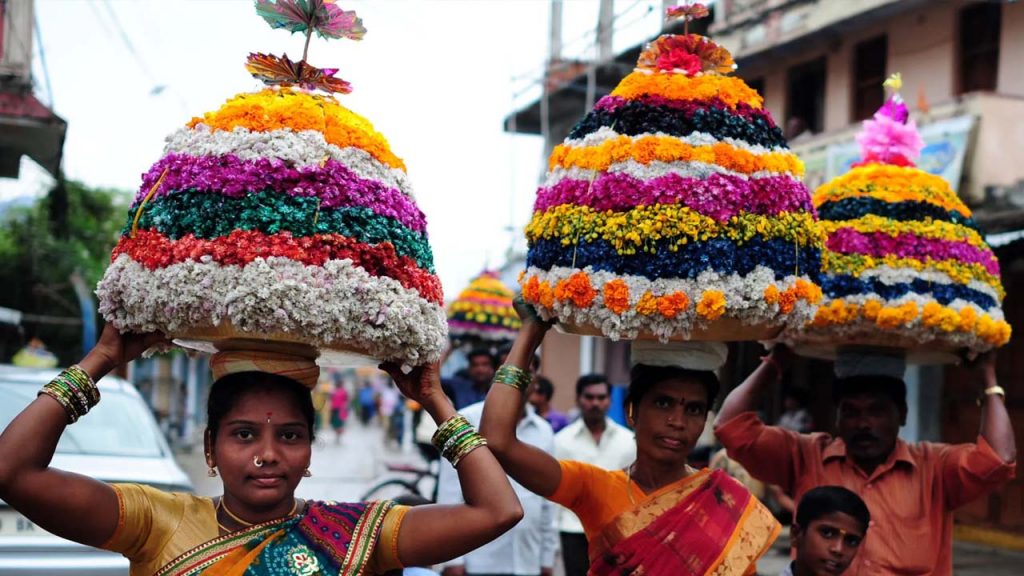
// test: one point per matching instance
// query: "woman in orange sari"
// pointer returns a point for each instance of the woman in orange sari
(659, 516)
(259, 442)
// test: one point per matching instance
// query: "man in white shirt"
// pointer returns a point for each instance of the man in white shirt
(596, 439)
(529, 548)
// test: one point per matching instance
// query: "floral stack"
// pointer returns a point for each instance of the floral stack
(281, 217)
(483, 312)
(905, 265)
(674, 209)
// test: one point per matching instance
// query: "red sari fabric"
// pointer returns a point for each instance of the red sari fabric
(713, 526)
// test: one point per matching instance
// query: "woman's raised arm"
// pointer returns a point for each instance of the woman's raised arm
(69, 505)
(435, 534)
(532, 467)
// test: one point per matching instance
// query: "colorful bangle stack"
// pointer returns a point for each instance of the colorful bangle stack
(456, 438)
(74, 390)
(513, 376)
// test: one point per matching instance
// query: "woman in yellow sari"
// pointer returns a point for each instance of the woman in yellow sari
(658, 517)
(258, 440)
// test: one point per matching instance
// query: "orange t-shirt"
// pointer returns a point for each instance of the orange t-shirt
(911, 496)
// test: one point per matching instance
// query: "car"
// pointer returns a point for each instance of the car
(118, 441)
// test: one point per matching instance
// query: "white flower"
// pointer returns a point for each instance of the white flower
(334, 306)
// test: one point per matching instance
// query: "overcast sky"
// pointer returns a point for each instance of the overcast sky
(436, 77)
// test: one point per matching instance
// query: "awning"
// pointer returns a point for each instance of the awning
(29, 127)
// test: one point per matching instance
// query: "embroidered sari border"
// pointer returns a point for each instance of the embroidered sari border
(364, 537)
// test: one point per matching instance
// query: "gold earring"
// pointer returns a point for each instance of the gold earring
(629, 414)
(307, 473)
(211, 472)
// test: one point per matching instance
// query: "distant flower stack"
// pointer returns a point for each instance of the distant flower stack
(282, 212)
(483, 311)
(905, 265)
(673, 206)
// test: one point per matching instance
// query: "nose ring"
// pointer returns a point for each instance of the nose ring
(257, 461)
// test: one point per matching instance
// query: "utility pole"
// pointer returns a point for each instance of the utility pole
(605, 26)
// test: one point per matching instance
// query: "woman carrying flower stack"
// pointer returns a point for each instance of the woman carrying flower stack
(658, 516)
(259, 442)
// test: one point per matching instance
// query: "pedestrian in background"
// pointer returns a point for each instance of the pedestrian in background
(596, 439)
(541, 401)
(528, 549)
(339, 410)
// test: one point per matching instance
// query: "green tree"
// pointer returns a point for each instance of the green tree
(41, 246)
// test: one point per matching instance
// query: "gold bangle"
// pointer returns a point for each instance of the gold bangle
(996, 391)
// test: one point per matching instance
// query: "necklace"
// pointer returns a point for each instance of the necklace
(222, 506)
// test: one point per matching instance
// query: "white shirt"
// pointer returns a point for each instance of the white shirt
(531, 544)
(616, 450)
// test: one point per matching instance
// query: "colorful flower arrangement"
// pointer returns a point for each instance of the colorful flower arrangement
(674, 205)
(280, 212)
(904, 263)
(483, 311)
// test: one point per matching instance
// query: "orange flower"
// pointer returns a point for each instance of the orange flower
(968, 319)
(546, 294)
(712, 305)
(729, 89)
(616, 296)
(807, 291)
(647, 149)
(287, 109)
(787, 301)
(871, 309)
(531, 290)
(576, 288)
(672, 304)
(771, 294)
(931, 314)
(647, 305)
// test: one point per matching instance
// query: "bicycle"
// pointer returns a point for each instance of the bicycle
(392, 487)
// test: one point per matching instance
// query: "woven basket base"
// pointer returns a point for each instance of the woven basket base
(225, 337)
(724, 330)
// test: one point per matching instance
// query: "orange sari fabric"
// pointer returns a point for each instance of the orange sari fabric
(707, 523)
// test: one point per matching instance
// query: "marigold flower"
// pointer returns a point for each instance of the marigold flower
(616, 296)
(647, 305)
(711, 305)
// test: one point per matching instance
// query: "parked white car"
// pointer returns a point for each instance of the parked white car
(118, 441)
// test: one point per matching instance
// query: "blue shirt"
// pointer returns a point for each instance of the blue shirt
(463, 392)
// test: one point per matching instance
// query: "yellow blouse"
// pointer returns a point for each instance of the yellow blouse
(155, 527)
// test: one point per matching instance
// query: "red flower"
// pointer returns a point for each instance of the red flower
(681, 59)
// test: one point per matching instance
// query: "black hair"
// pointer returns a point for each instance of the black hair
(226, 391)
(823, 500)
(590, 380)
(888, 386)
(482, 352)
(643, 377)
(545, 387)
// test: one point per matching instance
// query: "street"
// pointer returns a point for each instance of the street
(344, 471)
